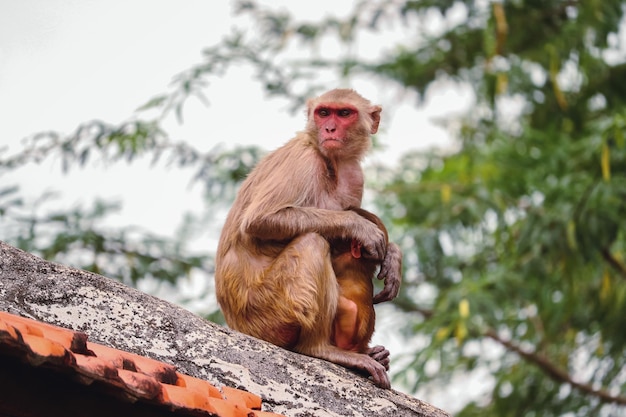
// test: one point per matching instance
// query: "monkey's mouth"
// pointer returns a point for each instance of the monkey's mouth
(332, 142)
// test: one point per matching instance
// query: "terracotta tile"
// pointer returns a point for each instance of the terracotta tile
(256, 413)
(6, 330)
(142, 385)
(225, 408)
(106, 353)
(26, 326)
(184, 398)
(136, 377)
(97, 368)
(44, 347)
(242, 398)
(198, 385)
(125, 360)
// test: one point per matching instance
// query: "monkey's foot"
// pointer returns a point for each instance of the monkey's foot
(380, 355)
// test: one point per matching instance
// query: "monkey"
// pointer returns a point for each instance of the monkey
(354, 322)
(274, 277)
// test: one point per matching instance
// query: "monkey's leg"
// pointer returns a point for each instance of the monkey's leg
(345, 324)
(308, 285)
(305, 271)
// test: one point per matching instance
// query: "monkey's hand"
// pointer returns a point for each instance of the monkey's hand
(373, 240)
(380, 355)
(391, 272)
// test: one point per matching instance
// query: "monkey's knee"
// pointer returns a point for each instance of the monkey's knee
(309, 256)
(310, 284)
(304, 260)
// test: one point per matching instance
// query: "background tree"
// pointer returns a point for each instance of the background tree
(514, 239)
(80, 236)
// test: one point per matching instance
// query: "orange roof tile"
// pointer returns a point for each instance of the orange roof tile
(130, 376)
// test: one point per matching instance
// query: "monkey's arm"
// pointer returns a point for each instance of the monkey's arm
(289, 222)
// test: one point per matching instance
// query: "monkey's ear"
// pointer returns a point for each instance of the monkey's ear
(375, 115)
(309, 106)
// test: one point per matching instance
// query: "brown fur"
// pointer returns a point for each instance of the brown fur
(354, 274)
(274, 276)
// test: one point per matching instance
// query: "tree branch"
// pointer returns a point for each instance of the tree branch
(408, 306)
(615, 264)
(555, 372)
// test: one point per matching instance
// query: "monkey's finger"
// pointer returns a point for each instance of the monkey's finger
(377, 372)
(381, 379)
(378, 352)
(393, 283)
(381, 249)
(375, 244)
(385, 363)
(392, 264)
(375, 251)
(381, 355)
(385, 269)
(389, 291)
(381, 297)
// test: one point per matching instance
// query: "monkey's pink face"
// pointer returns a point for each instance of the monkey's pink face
(333, 122)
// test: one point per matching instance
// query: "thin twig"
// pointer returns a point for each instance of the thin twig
(615, 264)
(555, 372)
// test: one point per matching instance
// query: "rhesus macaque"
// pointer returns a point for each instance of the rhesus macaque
(274, 275)
(354, 321)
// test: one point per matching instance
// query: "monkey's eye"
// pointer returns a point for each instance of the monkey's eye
(344, 112)
(323, 112)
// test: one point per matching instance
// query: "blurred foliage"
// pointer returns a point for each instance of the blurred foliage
(80, 236)
(514, 240)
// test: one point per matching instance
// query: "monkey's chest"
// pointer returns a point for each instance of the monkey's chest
(346, 192)
(349, 196)
(345, 188)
